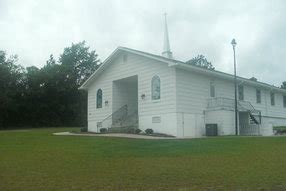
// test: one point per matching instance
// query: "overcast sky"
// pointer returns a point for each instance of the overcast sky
(34, 29)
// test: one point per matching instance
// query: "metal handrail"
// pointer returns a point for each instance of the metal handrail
(249, 129)
(117, 115)
(228, 102)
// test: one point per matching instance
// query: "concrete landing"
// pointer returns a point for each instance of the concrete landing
(122, 135)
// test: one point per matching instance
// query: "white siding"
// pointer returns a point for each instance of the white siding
(145, 69)
(190, 125)
(193, 90)
(225, 121)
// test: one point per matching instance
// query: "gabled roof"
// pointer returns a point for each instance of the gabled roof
(114, 55)
(177, 64)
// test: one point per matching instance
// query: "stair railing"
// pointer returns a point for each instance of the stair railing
(245, 105)
(228, 103)
(119, 114)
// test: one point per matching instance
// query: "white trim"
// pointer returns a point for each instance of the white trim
(83, 86)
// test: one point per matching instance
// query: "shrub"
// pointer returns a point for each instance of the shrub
(137, 131)
(149, 131)
(103, 130)
(129, 130)
(83, 129)
(279, 129)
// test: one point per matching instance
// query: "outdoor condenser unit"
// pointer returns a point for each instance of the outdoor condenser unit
(211, 130)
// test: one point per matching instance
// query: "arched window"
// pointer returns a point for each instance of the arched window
(99, 98)
(156, 89)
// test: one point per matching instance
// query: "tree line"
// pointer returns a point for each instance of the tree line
(46, 96)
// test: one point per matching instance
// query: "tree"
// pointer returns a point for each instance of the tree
(11, 86)
(283, 86)
(46, 96)
(201, 61)
(79, 62)
(51, 61)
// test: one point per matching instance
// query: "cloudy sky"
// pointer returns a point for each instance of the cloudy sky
(34, 29)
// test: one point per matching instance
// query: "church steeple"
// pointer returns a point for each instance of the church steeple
(166, 48)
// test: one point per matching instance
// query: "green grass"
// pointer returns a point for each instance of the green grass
(37, 160)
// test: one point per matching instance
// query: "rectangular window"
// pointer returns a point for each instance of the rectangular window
(240, 92)
(272, 98)
(258, 96)
(284, 101)
(212, 90)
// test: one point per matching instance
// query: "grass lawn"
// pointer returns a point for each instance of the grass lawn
(37, 160)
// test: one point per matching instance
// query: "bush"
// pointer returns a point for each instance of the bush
(129, 130)
(103, 130)
(149, 131)
(137, 131)
(83, 129)
(280, 129)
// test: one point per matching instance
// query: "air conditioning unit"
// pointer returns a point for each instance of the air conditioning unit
(211, 130)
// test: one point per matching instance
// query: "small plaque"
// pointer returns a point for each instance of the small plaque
(156, 119)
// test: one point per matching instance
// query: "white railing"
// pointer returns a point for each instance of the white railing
(227, 103)
(220, 102)
(113, 118)
(249, 129)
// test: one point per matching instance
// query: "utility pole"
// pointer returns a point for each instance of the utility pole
(233, 43)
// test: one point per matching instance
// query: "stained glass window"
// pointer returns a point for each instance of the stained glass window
(99, 99)
(156, 91)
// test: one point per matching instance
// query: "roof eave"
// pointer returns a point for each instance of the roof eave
(85, 85)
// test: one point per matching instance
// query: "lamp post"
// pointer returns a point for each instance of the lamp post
(233, 43)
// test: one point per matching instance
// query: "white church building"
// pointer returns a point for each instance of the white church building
(135, 89)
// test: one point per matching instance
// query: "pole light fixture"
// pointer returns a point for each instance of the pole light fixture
(233, 43)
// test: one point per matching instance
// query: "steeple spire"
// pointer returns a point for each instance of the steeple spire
(166, 49)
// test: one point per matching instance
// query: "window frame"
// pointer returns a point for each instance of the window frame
(155, 79)
(99, 104)
(240, 87)
(272, 98)
(258, 100)
(212, 90)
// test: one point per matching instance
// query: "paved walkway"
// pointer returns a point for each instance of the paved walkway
(131, 136)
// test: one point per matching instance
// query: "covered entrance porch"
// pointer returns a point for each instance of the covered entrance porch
(124, 105)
